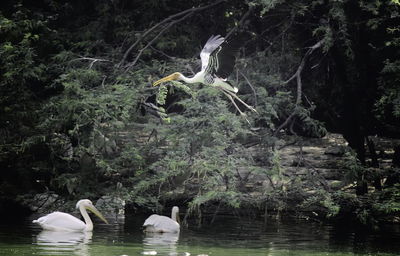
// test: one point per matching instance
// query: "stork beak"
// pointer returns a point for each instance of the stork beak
(97, 213)
(178, 219)
(165, 79)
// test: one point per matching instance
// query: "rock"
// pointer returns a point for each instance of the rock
(336, 150)
(111, 206)
(46, 202)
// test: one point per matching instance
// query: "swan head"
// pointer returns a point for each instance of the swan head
(172, 77)
(88, 205)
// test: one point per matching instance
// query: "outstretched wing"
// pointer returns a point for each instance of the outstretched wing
(225, 58)
(211, 45)
(218, 57)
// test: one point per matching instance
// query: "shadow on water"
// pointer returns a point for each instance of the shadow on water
(226, 236)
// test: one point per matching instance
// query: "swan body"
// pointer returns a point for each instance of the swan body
(60, 221)
(163, 224)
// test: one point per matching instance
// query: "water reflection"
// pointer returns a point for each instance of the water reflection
(63, 243)
(225, 237)
(160, 243)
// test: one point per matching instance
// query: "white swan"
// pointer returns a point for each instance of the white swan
(163, 224)
(60, 221)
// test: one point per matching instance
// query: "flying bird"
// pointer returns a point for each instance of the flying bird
(216, 65)
(163, 224)
(60, 221)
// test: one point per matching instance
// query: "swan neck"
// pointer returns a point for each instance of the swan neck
(85, 215)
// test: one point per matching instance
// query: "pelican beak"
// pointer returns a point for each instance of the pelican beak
(178, 219)
(165, 79)
(97, 213)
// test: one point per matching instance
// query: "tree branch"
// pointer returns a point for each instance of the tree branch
(162, 53)
(148, 32)
(170, 18)
(297, 75)
(251, 86)
(92, 60)
(133, 63)
(240, 22)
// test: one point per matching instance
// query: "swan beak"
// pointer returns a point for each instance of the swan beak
(165, 79)
(97, 213)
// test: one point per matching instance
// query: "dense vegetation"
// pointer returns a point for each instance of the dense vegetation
(80, 118)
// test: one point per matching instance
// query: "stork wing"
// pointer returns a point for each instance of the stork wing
(218, 59)
(211, 45)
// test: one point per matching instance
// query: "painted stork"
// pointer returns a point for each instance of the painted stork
(216, 65)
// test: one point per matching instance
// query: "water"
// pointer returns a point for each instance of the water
(227, 236)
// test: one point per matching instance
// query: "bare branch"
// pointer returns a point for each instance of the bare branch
(162, 53)
(148, 32)
(169, 19)
(244, 17)
(281, 34)
(92, 60)
(133, 63)
(290, 79)
(103, 82)
(297, 75)
(286, 122)
(251, 86)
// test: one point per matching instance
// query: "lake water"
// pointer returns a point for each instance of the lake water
(227, 236)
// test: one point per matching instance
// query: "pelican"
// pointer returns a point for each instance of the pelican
(60, 221)
(215, 68)
(163, 224)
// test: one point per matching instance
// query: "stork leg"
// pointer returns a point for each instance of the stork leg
(234, 103)
(232, 94)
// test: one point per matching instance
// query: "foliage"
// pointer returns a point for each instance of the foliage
(25, 82)
(87, 120)
(198, 149)
(388, 201)
(370, 210)
(354, 169)
(321, 203)
(76, 122)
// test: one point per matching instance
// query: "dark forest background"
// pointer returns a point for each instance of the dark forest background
(79, 116)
